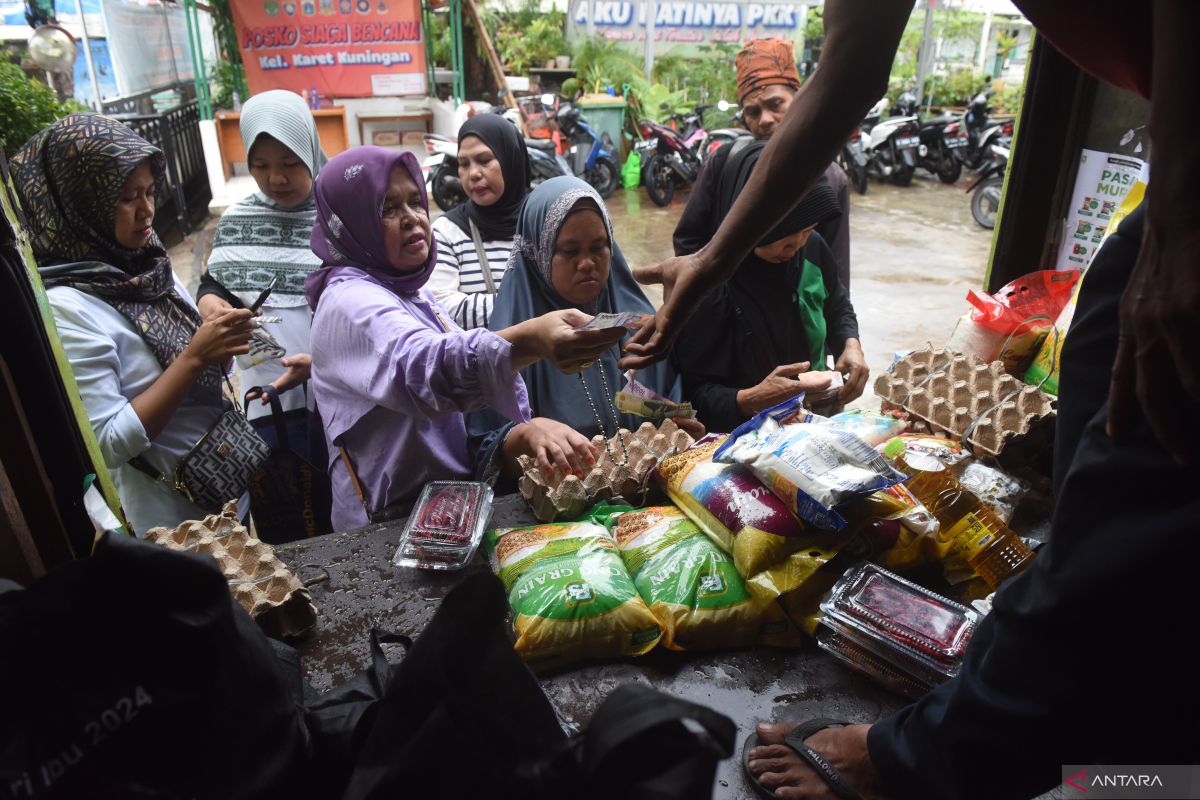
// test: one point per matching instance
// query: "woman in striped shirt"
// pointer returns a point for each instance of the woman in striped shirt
(493, 165)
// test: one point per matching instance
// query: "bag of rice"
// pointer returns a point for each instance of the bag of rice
(812, 466)
(690, 584)
(571, 596)
(771, 549)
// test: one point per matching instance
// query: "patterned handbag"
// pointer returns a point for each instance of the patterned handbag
(220, 466)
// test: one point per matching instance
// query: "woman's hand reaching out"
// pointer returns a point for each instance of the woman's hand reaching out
(551, 444)
(784, 383)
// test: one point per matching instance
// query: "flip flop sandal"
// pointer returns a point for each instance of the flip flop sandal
(795, 740)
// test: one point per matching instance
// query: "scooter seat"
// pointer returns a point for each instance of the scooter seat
(540, 144)
(945, 119)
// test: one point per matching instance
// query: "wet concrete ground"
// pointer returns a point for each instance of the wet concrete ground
(915, 251)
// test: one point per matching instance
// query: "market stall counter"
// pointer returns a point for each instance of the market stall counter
(357, 588)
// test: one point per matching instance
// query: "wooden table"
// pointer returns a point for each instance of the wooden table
(331, 128)
(364, 590)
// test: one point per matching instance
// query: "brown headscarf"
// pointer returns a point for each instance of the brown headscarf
(766, 62)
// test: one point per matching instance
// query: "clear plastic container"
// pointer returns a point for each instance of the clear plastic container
(921, 627)
(446, 525)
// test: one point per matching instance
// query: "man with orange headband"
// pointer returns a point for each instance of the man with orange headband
(767, 80)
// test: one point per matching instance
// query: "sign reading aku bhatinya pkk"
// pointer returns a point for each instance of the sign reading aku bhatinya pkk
(689, 22)
(341, 48)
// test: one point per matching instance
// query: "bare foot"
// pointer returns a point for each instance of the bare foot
(779, 768)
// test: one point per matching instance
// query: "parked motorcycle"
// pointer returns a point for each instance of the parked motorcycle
(667, 161)
(705, 142)
(853, 160)
(988, 188)
(441, 171)
(590, 154)
(441, 167)
(940, 137)
(983, 131)
(890, 145)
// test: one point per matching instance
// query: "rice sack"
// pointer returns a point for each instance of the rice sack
(771, 549)
(690, 584)
(570, 593)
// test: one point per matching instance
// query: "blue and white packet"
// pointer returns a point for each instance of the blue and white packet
(812, 466)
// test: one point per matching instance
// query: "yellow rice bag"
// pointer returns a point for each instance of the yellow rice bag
(691, 585)
(571, 595)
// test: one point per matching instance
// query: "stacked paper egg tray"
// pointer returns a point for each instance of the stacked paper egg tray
(258, 580)
(561, 496)
(968, 399)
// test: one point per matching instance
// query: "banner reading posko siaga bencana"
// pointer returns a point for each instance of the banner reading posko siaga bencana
(341, 48)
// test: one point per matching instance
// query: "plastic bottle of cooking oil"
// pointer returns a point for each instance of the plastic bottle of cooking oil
(972, 539)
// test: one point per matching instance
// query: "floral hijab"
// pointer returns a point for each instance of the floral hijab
(349, 232)
(69, 177)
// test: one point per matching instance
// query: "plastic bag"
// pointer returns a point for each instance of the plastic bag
(1044, 370)
(631, 171)
(1001, 491)
(771, 549)
(570, 593)
(870, 426)
(690, 584)
(812, 466)
(1009, 326)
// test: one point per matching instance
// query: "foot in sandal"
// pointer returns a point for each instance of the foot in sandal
(815, 760)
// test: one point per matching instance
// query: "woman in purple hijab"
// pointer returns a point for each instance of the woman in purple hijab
(393, 375)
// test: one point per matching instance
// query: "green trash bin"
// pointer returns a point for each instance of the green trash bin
(607, 115)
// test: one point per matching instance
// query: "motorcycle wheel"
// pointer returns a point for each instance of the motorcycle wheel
(855, 172)
(902, 175)
(985, 203)
(542, 172)
(444, 194)
(605, 177)
(951, 169)
(660, 181)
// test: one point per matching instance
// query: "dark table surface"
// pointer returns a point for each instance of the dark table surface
(365, 590)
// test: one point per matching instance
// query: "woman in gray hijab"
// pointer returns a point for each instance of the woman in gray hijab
(263, 241)
(564, 256)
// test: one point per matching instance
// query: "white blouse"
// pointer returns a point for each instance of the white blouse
(113, 365)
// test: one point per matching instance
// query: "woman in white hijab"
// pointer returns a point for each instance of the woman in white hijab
(263, 241)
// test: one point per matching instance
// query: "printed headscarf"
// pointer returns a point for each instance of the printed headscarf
(69, 177)
(528, 292)
(498, 221)
(765, 62)
(349, 229)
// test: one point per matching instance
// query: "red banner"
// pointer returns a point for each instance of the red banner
(341, 48)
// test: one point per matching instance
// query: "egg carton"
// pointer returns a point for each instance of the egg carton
(623, 464)
(269, 592)
(968, 399)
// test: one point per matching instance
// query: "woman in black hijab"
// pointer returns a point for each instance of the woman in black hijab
(474, 239)
(763, 337)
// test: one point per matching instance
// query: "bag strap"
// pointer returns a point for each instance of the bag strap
(272, 395)
(484, 266)
(632, 714)
(358, 487)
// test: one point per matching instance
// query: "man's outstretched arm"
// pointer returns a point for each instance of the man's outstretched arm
(861, 37)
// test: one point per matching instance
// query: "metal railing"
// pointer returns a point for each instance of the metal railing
(141, 102)
(177, 134)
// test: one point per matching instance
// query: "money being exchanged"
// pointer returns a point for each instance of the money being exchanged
(642, 401)
(622, 319)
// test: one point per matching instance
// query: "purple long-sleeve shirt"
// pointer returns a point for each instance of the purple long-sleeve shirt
(393, 376)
